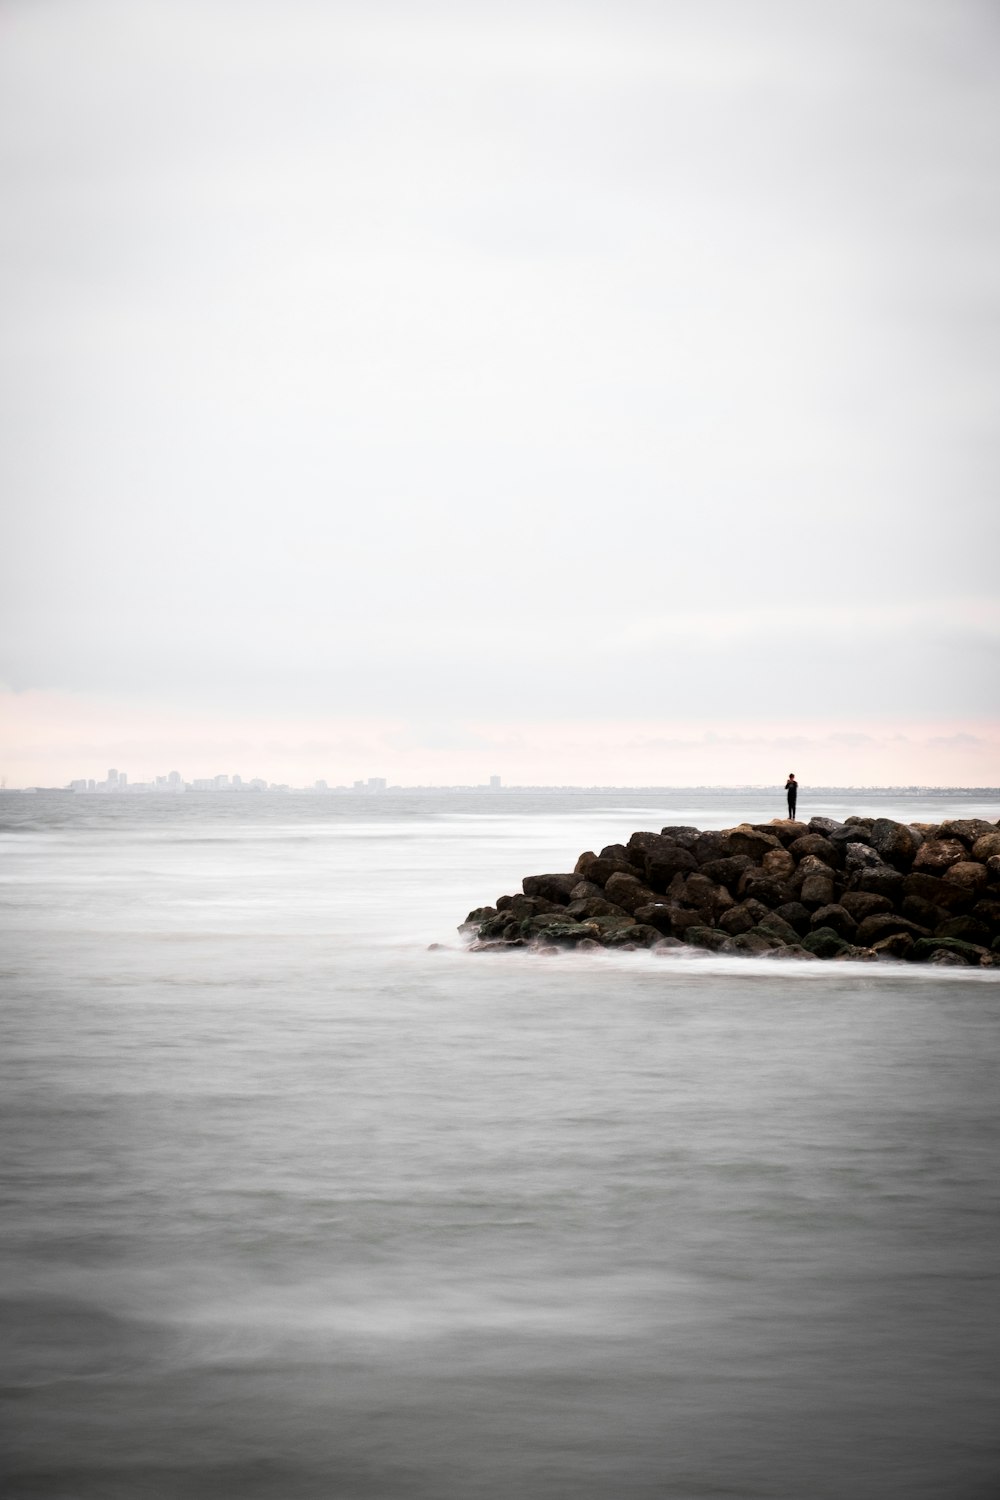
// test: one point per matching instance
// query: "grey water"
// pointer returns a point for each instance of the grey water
(297, 1205)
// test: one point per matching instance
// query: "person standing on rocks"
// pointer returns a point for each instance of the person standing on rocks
(792, 789)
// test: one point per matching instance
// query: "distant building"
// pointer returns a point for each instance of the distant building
(174, 779)
(359, 786)
(320, 786)
(376, 783)
(494, 783)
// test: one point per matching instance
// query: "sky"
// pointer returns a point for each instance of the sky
(597, 392)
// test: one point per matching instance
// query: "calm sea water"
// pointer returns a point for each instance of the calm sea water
(295, 1207)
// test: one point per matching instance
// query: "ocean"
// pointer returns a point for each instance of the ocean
(296, 1204)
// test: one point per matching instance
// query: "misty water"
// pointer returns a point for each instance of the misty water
(295, 1205)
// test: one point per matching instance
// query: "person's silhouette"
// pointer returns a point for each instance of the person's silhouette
(792, 788)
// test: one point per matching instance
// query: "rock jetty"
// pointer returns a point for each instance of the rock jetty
(867, 888)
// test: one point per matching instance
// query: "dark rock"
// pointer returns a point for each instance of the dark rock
(925, 913)
(727, 871)
(657, 914)
(699, 891)
(477, 917)
(850, 833)
(793, 950)
(710, 845)
(817, 890)
(968, 830)
(795, 914)
(776, 926)
(778, 864)
(937, 892)
(825, 826)
(925, 947)
(585, 891)
(786, 829)
(987, 846)
(615, 851)
(668, 945)
(753, 943)
(824, 942)
(988, 910)
(736, 920)
(550, 887)
(760, 888)
(883, 923)
(602, 869)
(938, 854)
(641, 934)
(894, 945)
(860, 820)
(838, 918)
(562, 934)
(883, 881)
(862, 857)
(682, 917)
(708, 937)
(584, 862)
(686, 837)
(966, 928)
(950, 960)
(820, 847)
(660, 868)
(969, 874)
(895, 842)
(744, 839)
(863, 904)
(590, 907)
(628, 892)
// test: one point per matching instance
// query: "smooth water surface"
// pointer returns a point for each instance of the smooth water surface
(295, 1207)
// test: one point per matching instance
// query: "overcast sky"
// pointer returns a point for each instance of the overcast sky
(499, 387)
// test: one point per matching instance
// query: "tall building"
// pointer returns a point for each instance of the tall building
(494, 783)
(174, 778)
(376, 783)
(112, 777)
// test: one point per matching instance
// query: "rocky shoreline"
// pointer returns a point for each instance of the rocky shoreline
(867, 888)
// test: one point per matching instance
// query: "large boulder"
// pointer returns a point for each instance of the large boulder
(837, 917)
(926, 947)
(708, 937)
(863, 904)
(862, 857)
(969, 874)
(825, 943)
(795, 914)
(786, 829)
(816, 844)
(745, 839)
(779, 864)
(712, 844)
(881, 925)
(736, 920)
(628, 892)
(727, 871)
(898, 945)
(656, 914)
(937, 892)
(776, 926)
(850, 833)
(969, 929)
(683, 835)
(825, 826)
(883, 881)
(987, 845)
(602, 868)
(936, 855)
(895, 842)
(550, 887)
(967, 830)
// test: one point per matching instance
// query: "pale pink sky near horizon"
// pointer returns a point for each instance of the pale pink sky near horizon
(49, 739)
(600, 392)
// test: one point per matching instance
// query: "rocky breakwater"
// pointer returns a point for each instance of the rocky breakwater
(867, 888)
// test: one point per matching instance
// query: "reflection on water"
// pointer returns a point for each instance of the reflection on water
(295, 1207)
